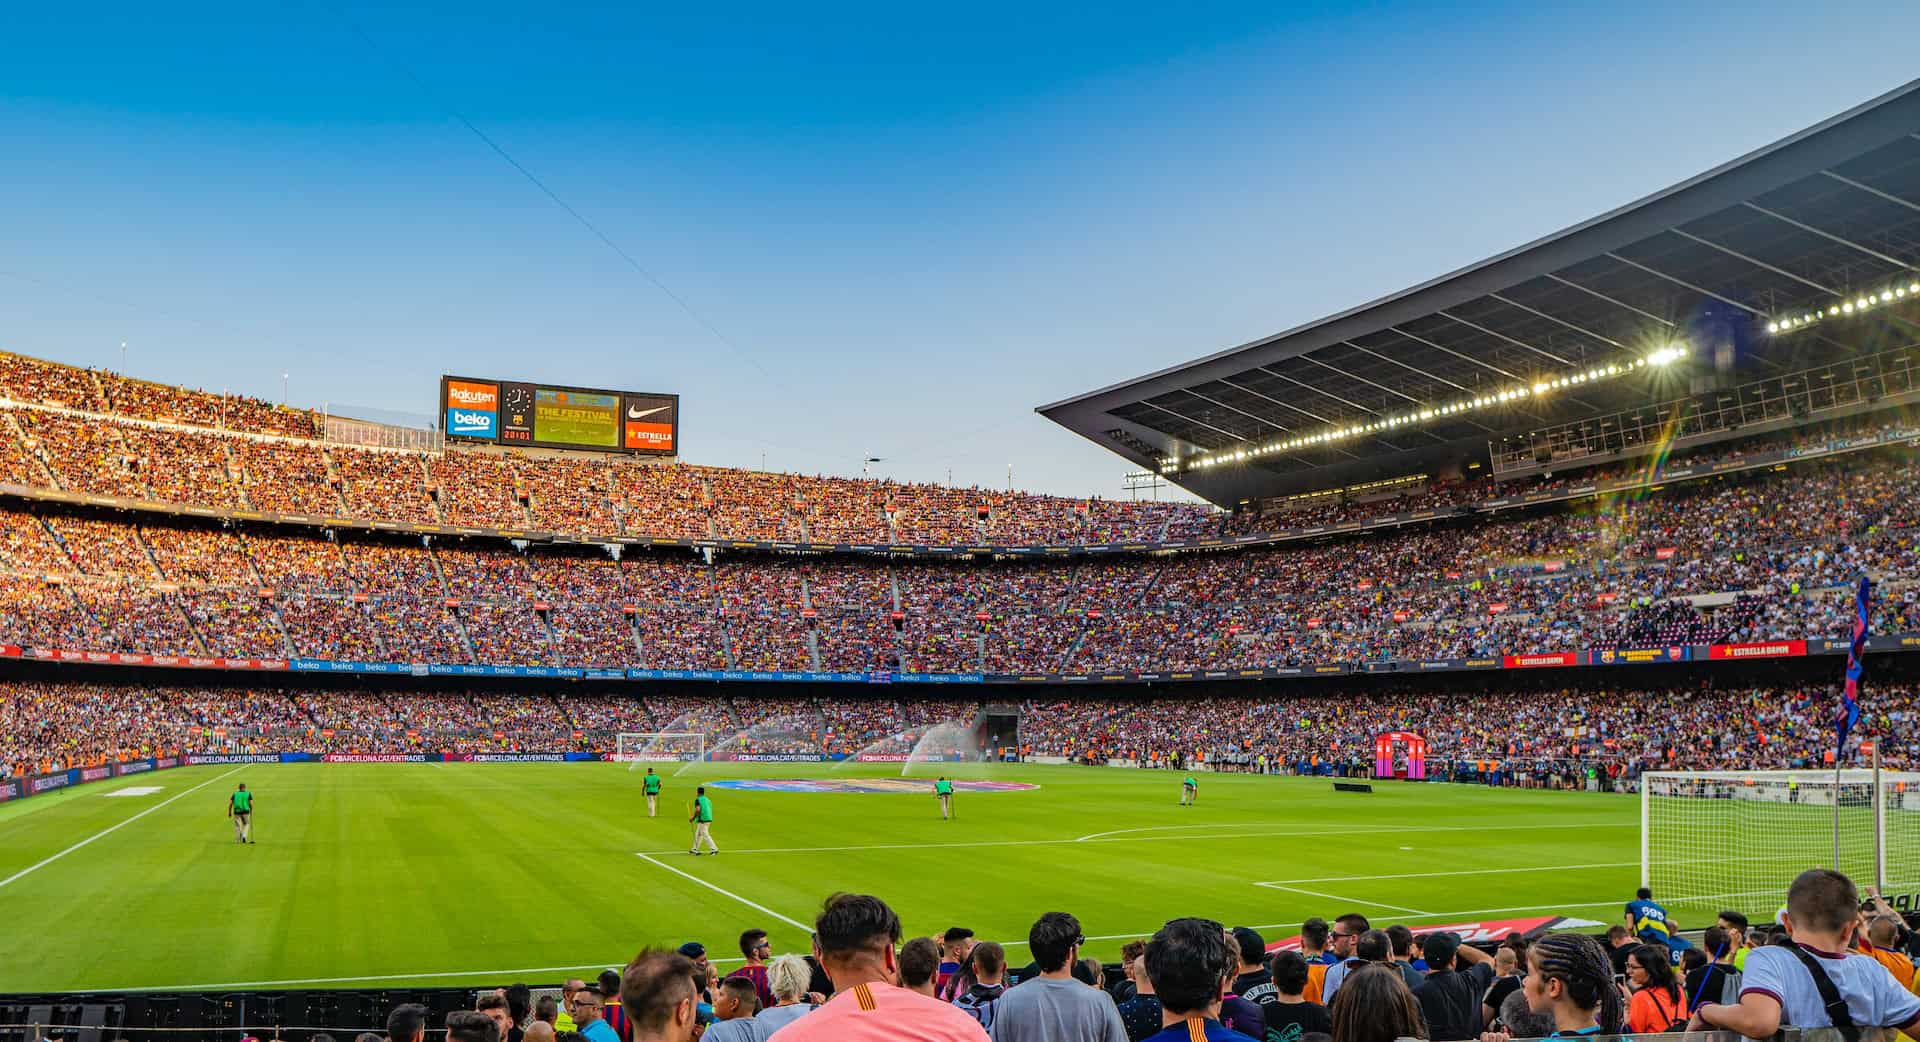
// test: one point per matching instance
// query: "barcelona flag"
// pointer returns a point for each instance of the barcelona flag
(1849, 713)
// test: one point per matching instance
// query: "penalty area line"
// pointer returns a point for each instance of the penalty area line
(110, 829)
(755, 905)
(1349, 900)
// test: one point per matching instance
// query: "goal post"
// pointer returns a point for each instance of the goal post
(635, 748)
(1720, 838)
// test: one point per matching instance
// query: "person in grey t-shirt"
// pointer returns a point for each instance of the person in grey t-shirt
(1054, 1007)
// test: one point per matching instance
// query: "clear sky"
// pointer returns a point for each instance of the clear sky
(908, 224)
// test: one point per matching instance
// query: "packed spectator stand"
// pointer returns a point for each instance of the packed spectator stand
(1533, 739)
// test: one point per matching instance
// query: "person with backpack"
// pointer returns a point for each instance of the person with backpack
(1656, 1005)
(1718, 980)
(1815, 982)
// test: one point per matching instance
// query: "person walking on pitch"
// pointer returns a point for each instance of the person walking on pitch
(1189, 791)
(702, 819)
(240, 809)
(944, 789)
(651, 786)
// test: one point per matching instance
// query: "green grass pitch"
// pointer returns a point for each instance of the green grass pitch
(392, 874)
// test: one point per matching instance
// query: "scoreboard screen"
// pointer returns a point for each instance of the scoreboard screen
(511, 412)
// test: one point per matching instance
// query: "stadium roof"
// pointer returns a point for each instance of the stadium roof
(1741, 268)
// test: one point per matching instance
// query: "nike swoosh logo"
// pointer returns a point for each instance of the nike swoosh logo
(640, 414)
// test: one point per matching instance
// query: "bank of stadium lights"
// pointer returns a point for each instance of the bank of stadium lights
(1858, 304)
(1539, 389)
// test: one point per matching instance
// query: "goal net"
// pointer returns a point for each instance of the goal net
(641, 747)
(1719, 838)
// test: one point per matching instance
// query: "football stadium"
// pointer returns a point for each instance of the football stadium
(1533, 651)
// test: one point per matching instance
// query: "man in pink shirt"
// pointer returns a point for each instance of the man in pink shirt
(854, 938)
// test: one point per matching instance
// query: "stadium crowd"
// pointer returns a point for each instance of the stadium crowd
(1833, 960)
(1559, 738)
(1768, 557)
(69, 429)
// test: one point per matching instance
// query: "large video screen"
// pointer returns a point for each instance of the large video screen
(513, 412)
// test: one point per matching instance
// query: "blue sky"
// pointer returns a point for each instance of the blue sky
(909, 225)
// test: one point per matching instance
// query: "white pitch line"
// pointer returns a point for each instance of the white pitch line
(1167, 828)
(1348, 900)
(110, 829)
(1280, 884)
(756, 906)
(1153, 839)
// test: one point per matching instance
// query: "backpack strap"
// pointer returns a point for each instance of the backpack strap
(1836, 1005)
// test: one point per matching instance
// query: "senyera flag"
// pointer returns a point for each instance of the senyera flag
(1849, 713)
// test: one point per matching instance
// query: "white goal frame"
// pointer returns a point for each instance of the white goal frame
(1861, 822)
(633, 747)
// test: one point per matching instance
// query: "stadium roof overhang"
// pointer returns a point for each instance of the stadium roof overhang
(1773, 262)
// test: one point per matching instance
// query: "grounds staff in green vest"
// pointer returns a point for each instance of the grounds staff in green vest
(702, 818)
(240, 809)
(651, 786)
(944, 789)
(1189, 791)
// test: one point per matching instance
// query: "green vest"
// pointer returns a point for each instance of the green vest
(703, 809)
(653, 785)
(944, 788)
(243, 803)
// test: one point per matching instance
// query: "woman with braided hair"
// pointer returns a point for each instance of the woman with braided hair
(1570, 977)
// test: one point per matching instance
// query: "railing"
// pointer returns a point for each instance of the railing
(1787, 400)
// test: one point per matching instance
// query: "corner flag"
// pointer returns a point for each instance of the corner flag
(1856, 662)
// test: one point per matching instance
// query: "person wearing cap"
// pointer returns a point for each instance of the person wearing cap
(697, 953)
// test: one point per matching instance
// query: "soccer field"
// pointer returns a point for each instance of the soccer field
(388, 874)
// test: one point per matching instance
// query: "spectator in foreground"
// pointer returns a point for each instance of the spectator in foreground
(1054, 1007)
(734, 1006)
(407, 1023)
(1314, 935)
(466, 1025)
(755, 947)
(1779, 984)
(656, 991)
(789, 976)
(1718, 980)
(1736, 924)
(1141, 1013)
(981, 999)
(1571, 978)
(1620, 943)
(1290, 1016)
(1518, 1020)
(496, 1007)
(1656, 1004)
(954, 946)
(1450, 995)
(540, 1031)
(1370, 947)
(1126, 988)
(919, 965)
(1374, 1005)
(610, 1009)
(1189, 965)
(1400, 942)
(588, 1008)
(563, 1022)
(1507, 979)
(854, 938)
(1255, 981)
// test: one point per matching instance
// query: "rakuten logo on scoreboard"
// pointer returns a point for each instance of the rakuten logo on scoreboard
(473, 408)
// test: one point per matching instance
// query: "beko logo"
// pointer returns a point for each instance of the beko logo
(461, 419)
